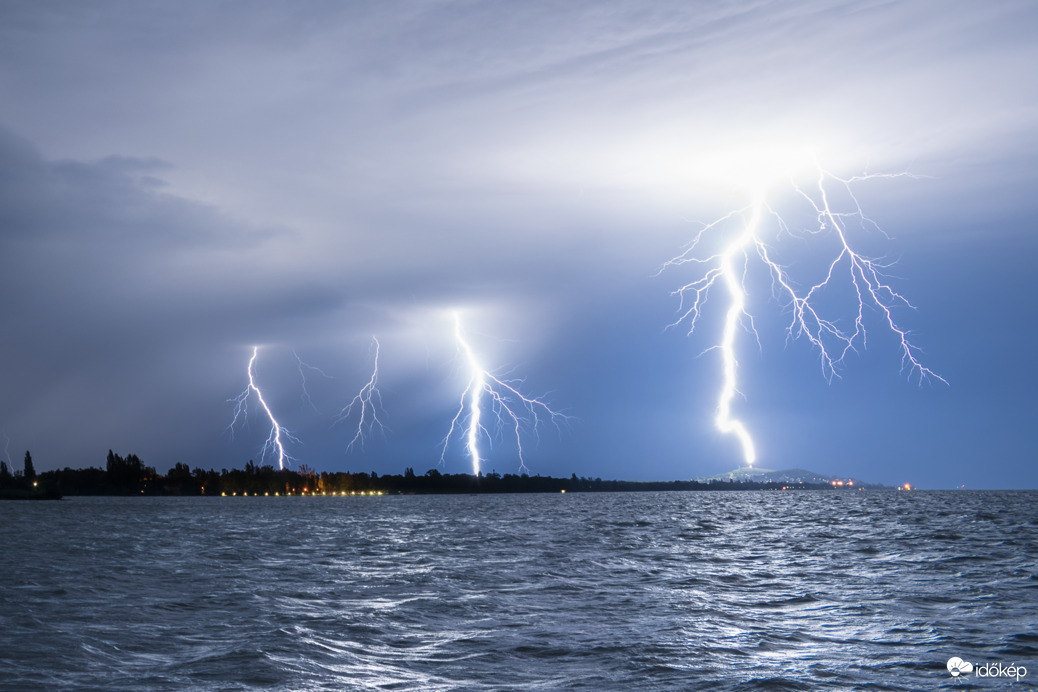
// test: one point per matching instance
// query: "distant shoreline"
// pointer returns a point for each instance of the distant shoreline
(237, 484)
(124, 476)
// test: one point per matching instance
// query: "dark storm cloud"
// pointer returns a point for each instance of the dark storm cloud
(108, 227)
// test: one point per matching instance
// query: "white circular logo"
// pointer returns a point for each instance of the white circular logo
(957, 667)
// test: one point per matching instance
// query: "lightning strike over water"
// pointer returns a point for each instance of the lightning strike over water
(368, 400)
(523, 411)
(809, 308)
(274, 443)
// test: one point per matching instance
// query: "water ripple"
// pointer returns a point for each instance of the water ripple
(720, 591)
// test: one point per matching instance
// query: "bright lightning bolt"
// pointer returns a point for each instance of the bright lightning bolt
(500, 393)
(368, 400)
(274, 442)
(809, 318)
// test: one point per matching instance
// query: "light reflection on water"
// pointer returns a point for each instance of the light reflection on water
(695, 590)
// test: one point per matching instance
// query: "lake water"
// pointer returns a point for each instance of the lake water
(640, 591)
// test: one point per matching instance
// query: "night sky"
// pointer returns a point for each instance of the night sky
(182, 181)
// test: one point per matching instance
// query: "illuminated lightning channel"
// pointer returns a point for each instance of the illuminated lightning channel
(303, 367)
(501, 394)
(274, 442)
(368, 400)
(808, 319)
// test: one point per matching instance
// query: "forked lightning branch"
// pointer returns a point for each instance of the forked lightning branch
(275, 443)
(365, 404)
(509, 407)
(739, 234)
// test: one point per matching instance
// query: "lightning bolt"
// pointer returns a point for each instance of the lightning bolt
(501, 394)
(303, 367)
(274, 442)
(365, 400)
(809, 319)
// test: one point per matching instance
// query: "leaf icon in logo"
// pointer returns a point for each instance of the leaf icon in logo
(957, 667)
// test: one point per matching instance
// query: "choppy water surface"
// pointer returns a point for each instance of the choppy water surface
(683, 590)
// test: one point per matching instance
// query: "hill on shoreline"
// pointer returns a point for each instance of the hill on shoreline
(751, 474)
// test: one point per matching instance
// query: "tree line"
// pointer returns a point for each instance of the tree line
(22, 484)
(131, 476)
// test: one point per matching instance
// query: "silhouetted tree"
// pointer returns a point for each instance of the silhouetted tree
(127, 474)
(30, 472)
(5, 475)
(180, 473)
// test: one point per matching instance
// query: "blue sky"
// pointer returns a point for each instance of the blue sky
(180, 184)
